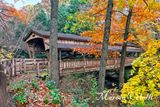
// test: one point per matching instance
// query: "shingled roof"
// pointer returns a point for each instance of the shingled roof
(110, 48)
(46, 34)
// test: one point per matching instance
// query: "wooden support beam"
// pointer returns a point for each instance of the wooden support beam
(14, 73)
(47, 54)
(38, 69)
(29, 50)
(84, 61)
(33, 52)
(60, 61)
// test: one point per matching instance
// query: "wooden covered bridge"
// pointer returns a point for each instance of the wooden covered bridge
(38, 42)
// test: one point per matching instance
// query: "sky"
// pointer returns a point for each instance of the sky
(22, 3)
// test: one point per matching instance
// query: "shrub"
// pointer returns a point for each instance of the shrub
(51, 85)
(55, 97)
(19, 86)
(21, 98)
(34, 84)
(79, 103)
(93, 90)
(54, 93)
(46, 100)
(144, 86)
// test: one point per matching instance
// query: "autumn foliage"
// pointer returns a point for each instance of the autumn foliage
(8, 12)
(144, 12)
(145, 85)
(35, 92)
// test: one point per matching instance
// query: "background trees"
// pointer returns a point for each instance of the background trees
(7, 12)
(133, 5)
(140, 32)
(9, 21)
(70, 13)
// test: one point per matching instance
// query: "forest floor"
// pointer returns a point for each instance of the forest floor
(72, 88)
(35, 94)
(79, 90)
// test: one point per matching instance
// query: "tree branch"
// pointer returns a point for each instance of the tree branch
(145, 3)
(120, 12)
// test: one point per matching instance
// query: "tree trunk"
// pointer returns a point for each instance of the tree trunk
(123, 54)
(54, 65)
(104, 51)
(3, 86)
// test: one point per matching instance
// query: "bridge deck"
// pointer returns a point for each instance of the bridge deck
(14, 66)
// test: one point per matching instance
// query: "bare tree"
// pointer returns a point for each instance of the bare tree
(54, 71)
(102, 72)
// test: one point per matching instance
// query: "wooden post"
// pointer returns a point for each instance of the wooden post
(21, 63)
(29, 50)
(13, 67)
(60, 61)
(84, 61)
(9, 66)
(15, 72)
(3, 86)
(33, 52)
(38, 69)
(48, 59)
(24, 64)
(5, 70)
(35, 65)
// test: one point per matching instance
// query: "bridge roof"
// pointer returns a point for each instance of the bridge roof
(46, 34)
(110, 48)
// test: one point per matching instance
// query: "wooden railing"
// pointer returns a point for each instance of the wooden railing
(89, 65)
(15, 66)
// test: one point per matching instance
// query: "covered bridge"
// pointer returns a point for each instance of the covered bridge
(38, 42)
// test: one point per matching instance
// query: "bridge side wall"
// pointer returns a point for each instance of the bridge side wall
(16, 66)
